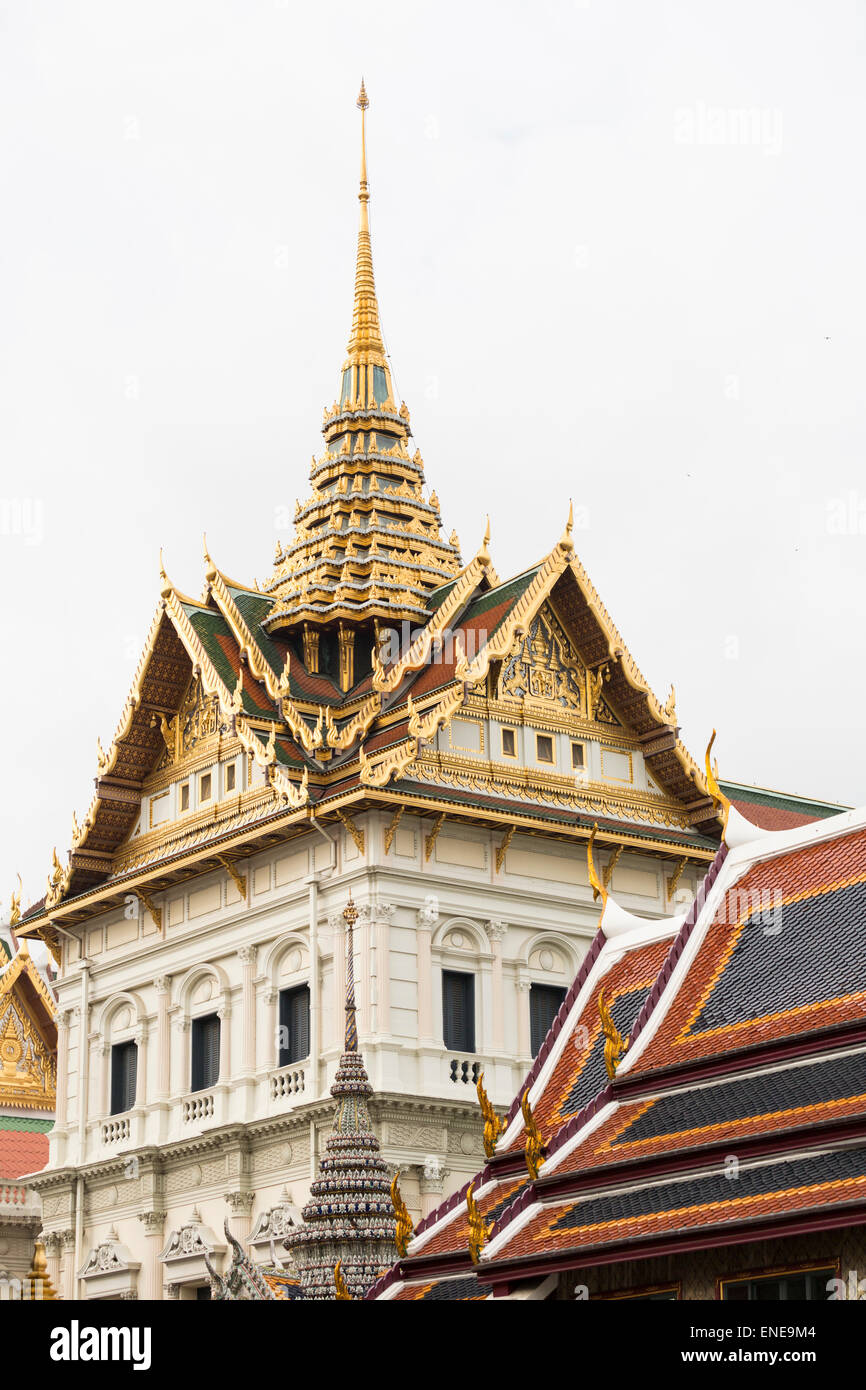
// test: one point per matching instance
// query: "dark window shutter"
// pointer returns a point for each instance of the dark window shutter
(458, 1010)
(124, 1065)
(544, 1002)
(295, 1024)
(205, 1052)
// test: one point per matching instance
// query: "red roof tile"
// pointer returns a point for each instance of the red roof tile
(21, 1151)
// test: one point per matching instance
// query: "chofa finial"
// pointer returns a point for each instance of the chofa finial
(720, 801)
(565, 542)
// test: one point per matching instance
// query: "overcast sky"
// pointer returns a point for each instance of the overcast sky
(619, 252)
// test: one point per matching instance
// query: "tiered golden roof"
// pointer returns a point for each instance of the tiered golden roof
(368, 544)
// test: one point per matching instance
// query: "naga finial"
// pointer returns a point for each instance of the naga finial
(534, 1147)
(598, 888)
(15, 906)
(340, 1286)
(478, 1227)
(670, 709)
(720, 801)
(493, 1125)
(404, 1230)
(615, 1045)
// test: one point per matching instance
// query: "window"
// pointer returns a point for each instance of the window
(577, 756)
(458, 1010)
(204, 787)
(509, 743)
(230, 777)
(205, 1052)
(184, 796)
(544, 748)
(124, 1063)
(294, 1025)
(544, 1000)
(202, 1293)
(808, 1285)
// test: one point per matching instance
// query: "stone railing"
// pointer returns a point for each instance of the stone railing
(114, 1131)
(287, 1082)
(464, 1070)
(198, 1107)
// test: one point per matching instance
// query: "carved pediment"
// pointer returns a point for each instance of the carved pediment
(27, 1068)
(545, 666)
(198, 719)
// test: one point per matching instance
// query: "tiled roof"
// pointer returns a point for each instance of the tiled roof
(761, 1190)
(781, 1099)
(580, 1073)
(21, 1151)
(465, 1288)
(759, 978)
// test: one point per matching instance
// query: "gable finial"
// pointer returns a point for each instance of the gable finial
(720, 801)
(598, 888)
(615, 1045)
(493, 1124)
(565, 541)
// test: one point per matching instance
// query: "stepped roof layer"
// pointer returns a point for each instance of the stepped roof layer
(750, 1036)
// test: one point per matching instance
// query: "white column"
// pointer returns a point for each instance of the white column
(524, 1046)
(141, 1069)
(427, 918)
(163, 1037)
(62, 1099)
(496, 932)
(335, 922)
(151, 1270)
(247, 956)
(224, 1014)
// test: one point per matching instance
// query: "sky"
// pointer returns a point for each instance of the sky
(619, 257)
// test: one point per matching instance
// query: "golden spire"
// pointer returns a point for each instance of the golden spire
(365, 342)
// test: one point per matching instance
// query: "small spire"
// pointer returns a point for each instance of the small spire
(566, 543)
(350, 917)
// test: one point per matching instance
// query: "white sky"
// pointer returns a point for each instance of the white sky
(596, 281)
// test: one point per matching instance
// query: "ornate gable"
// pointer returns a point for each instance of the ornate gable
(28, 1039)
(545, 667)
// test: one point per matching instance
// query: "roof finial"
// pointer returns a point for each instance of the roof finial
(350, 917)
(720, 801)
(566, 543)
(366, 336)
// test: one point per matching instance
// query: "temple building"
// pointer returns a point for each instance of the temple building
(694, 1125)
(383, 719)
(28, 1065)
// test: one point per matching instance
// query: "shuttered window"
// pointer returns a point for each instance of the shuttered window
(544, 1001)
(294, 1024)
(124, 1064)
(205, 1052)
(458, 1010)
